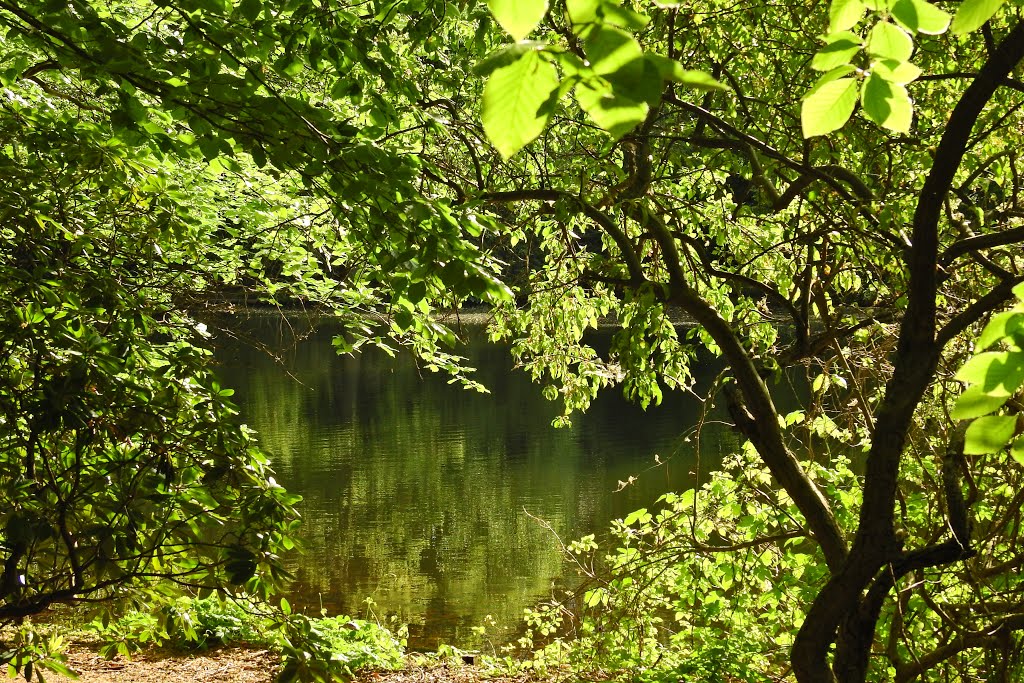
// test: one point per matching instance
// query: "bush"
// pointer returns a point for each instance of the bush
(707, 588)
(324, 647)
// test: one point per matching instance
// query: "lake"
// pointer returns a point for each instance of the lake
(439, 504)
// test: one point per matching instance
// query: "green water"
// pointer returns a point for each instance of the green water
(428, 499)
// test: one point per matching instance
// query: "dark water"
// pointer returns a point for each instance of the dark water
(425, 497)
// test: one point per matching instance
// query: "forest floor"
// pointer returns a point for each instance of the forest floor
(237, 665)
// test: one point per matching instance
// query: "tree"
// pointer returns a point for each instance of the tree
(686, 172)
(124, 471)
(809, 253)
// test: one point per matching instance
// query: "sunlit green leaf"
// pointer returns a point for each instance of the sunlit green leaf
(609, 49)
(975, 402)
(1000, 373)
(972, 14)
(829, 104)
(1017, 449)
(513, 104)
(896, 72)
(518, 17)
(887, 103)
(583, 12)
(614, 114)
(889, 41)
(506, 55)
(638, 81)
(840, 48)
(844, 14)
(1008, 324)
(920, 16)
(672, 70)
(989, 434)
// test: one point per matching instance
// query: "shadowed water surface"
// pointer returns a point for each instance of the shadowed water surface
(426, 497)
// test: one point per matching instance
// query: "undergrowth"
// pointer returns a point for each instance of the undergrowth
(309, 646)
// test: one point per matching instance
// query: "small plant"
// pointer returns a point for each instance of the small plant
(187, 623)
(704, 588)
(30, 652)
(312, 648)
(331, 648)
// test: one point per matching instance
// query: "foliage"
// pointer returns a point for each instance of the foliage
(30, 653)
(918, 534)
(713, 584)
(123, 464)
(310, 646)
(651, 161)
(994, 379)
(184, 623)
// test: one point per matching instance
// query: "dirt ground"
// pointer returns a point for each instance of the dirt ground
(233, 665)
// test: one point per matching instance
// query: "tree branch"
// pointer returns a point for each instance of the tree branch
(975, 242)
(980, 638)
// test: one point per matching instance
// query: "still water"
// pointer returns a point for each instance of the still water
(427, 498)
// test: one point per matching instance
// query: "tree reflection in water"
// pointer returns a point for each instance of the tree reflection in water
(416, 492)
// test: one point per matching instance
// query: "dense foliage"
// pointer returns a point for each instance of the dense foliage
(833, 188)
(189, 624)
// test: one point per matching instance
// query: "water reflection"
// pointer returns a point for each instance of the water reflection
(423, 496)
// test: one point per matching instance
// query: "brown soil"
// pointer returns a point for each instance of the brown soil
(228, 665)
(235, 665)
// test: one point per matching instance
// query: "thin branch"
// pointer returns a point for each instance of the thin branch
(999, 295)
(976, 242)
(636, 270)
(980, 638)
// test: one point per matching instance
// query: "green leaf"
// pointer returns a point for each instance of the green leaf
(638, 81)
(889, 41)
(973, 14)
(1009, 324)
(513, 112)
(585, 13)
(506, 55)
(582, 12)
(622, 16)
(518, 17)
(829, 104)
(634, 516)
(989, 434)
(608, 49)
(699, 80)
(844, 14)
(250, 9)
(1000, 373)
(920, 16)
(259, 156)
(616, 115)
(1017, 449)
(839, 49)
(671, 70)
(887, 103)
(896, 72)
(975, 402)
